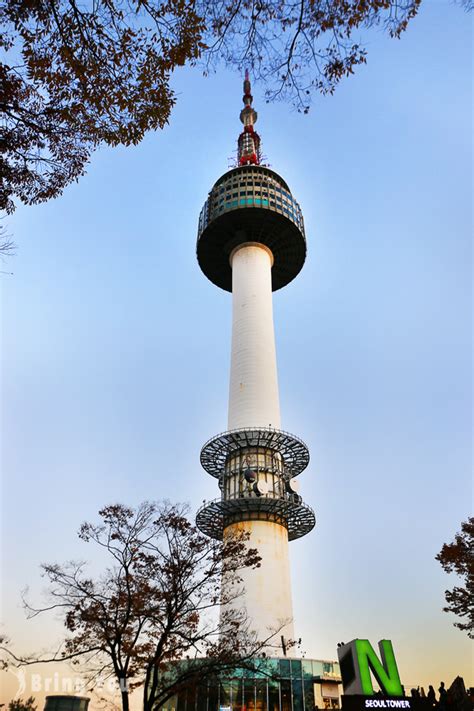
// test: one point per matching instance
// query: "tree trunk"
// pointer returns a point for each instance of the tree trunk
(124, 695)
(149, 688)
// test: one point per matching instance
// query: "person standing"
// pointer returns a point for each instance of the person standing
(443, 697)
(431, 696)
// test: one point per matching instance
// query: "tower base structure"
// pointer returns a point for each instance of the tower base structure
(274, 684)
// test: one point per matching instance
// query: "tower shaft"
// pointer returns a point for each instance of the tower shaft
(266, 597)
(253, 392)
(254, 402)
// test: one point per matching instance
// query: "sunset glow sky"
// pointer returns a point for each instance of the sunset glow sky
(116, 347)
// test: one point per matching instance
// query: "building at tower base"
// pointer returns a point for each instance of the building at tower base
(280, 685)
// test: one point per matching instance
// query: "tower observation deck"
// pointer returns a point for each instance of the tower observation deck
(251, 241)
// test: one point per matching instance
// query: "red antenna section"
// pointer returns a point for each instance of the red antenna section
(249, 140)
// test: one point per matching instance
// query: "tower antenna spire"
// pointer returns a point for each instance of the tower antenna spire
(249, 140)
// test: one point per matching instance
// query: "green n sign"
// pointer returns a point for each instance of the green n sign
(359, 664)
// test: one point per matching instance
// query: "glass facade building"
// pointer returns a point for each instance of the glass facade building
(280, 685)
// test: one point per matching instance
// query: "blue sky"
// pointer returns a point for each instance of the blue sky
(116, 348)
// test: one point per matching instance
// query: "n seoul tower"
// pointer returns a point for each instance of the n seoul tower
(251, 241)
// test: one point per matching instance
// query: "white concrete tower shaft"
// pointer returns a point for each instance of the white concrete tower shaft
(254, 402)
(253, 393)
